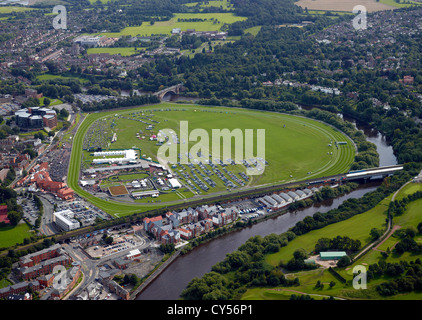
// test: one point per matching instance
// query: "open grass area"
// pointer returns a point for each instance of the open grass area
(253, 31)
(287, 148)
(214, 21)
(274, 294)
(5, 283)
(288, 158)
(216, 3)
(12, 235)
(411, 217)
(357, 227)
(47, 76)
(124, 52)
(413, 214)
(53, 102)
(307, 281)
(7, 9)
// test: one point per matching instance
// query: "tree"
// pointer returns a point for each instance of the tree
(420, 227)
(133, 279)
(167, 248)
(300, 254)
(375, 233)
(14, 217)
(344, 261)
(332, 284)
(108, 240)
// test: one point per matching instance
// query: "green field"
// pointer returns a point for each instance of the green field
(357, 227)
(274, 294)
(47, 76)
(253, 31)
(10, 236)
(5, 283)
(14, 9)
(53, 102)
(124, 52)
(413, 215)
(214, 22)
(223, 4)
(287, 149)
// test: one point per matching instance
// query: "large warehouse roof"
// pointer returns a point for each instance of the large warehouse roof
(175, 183)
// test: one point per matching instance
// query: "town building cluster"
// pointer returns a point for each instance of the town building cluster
(39, 179)
(36, 269)
(189, 223)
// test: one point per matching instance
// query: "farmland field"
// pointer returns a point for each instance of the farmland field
(288, 141)
(214, 21)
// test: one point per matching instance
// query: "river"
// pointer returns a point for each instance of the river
(199, 261)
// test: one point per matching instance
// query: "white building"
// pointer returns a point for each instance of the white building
(175, 184)
(65, 220)
(128, 155)
(133, 254)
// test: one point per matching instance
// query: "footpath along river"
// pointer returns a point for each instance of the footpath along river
(171, 282)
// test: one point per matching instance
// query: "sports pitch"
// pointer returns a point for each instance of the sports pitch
(296, 148)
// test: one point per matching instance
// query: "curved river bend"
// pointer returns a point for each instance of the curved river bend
(199, 261)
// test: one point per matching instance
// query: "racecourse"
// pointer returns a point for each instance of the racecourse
(296, 147)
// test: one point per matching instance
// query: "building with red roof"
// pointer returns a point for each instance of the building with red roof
(45, 183)
(3, 214)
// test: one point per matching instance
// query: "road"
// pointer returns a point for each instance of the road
(47, 226)
(59, 135)
(90, 267)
